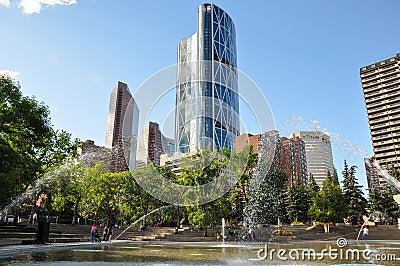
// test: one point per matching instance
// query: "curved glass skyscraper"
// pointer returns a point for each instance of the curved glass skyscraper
(207, 101)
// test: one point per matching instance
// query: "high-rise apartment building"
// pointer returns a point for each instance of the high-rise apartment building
(318, 154)
(289, 154)
(207, 111)
(122, 128)
(381, 87)
(152, 144)
(292, 159)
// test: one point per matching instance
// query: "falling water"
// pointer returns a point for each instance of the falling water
(385, 174)
(88, 159)
(141, 218)
(342, 148)
(264, 162)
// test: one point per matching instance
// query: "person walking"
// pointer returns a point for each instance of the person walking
(110, 232)
(365, 233)
(93, 232)
(34, 217)
(105, 234)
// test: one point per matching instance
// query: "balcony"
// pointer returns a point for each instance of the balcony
(372, 105)
(369, 73)
(390, 77)
(382, 125)
(371, 88)
(385, 67)
(370, 78)
(382, 144)
(379, 132)
(375, 115)
(379, 154)
(381, 137)
(376, 109)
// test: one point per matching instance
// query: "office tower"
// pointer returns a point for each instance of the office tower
(381, 86)
(122, 128)
(289, 155)
(207, 111)
(152, 144)
(318, 154)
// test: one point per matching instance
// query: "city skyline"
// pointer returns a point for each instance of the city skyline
(275, 41)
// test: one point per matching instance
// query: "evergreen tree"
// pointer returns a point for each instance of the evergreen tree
(312, 186)
(335, 177)
(328, 204)
(355, 202)
(381, 199)
(268, 203)
(298, 202)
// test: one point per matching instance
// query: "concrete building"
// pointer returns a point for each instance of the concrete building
(318, 154)
(122, 128)
(381, 86)
(292, 159)
(289, 154)
(152, 144)
(207, 101)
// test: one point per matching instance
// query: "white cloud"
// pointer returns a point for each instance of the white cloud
(35, 6)
(5, 3)
(9, 73)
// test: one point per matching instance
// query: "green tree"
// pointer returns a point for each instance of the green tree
(298, 202)
(356, 204)
(238, 196)
(381, 198)
(328, 204)
(312, 186)
(28, 143)
(136, 201)
(268, 203)
(335, 177)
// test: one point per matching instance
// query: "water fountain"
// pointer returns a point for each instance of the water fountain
(88, 159)
(143, 217)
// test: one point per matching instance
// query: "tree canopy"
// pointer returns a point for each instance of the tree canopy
(28, 143)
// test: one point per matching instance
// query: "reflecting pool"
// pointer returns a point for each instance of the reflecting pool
(168, 253)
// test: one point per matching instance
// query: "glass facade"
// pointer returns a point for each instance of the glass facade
(207, 101)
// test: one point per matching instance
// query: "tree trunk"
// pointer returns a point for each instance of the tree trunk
(74, 216)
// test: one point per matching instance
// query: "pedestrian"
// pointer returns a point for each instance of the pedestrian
(105, 234)
(34, 217)
(93, 232)
(218, 235)
(365, 233)
(110, 232)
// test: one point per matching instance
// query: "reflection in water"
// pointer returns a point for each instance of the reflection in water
(204, 254)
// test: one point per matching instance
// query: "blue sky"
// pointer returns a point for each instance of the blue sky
(304, 55)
